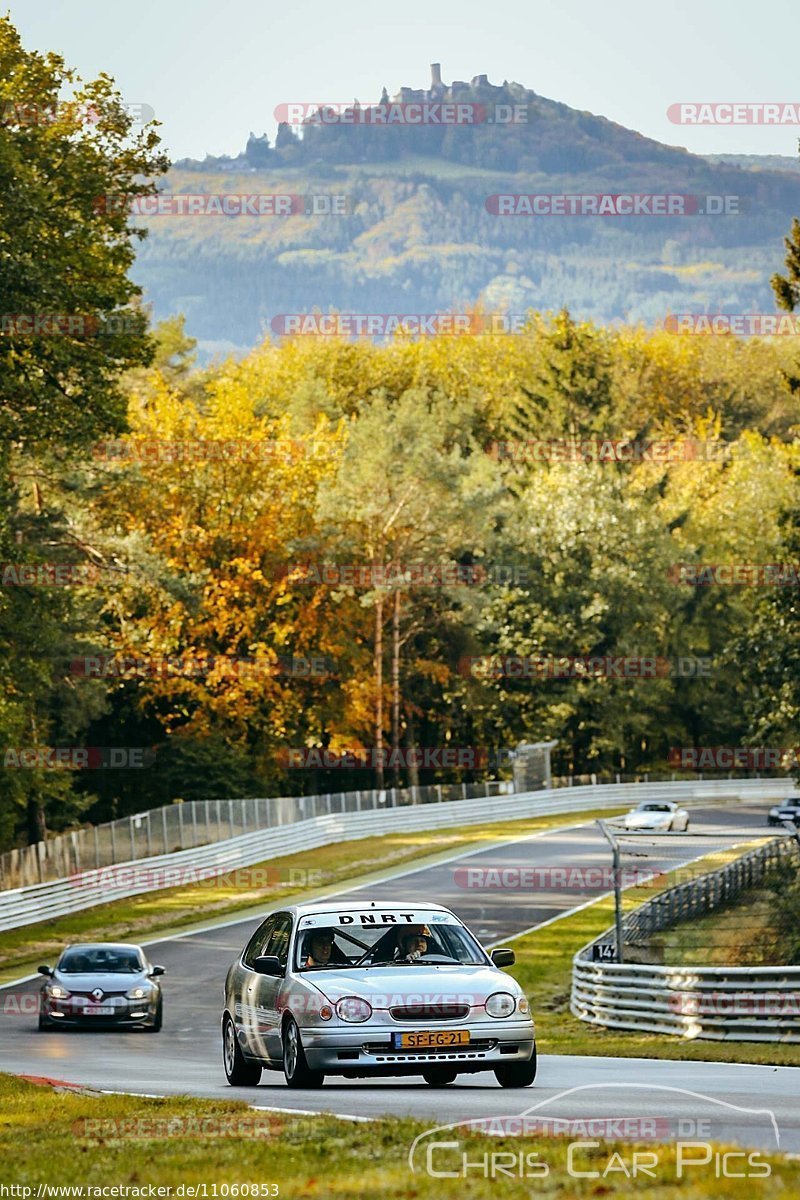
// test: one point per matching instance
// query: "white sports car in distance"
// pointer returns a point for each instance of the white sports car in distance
(658, 815)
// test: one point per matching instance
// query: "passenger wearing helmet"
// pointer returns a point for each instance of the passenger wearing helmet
(412, 943)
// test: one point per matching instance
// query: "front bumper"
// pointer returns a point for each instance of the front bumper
(368, 1049)
(126, 1012)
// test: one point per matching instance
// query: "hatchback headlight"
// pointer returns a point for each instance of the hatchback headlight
(56, 992)
(500, 1004)
(138, 993)
(353, 1009)
(523, 1006)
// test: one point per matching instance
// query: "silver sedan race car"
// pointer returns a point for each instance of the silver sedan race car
(659, 815)
(104, 985)
(363, 991)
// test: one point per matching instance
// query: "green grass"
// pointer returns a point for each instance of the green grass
(172, 909)
(544, 969)
(742, 935)
(133, 1141)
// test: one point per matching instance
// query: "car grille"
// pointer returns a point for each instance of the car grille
(385, 1053)
(430, 1012)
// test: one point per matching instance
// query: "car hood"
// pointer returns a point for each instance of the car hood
(385, 987)
(107, 981)
(647, 820)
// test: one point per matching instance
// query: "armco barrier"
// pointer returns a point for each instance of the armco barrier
(748, 1004)
(39, 902)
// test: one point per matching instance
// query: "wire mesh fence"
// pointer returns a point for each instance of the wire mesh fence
(186, 825)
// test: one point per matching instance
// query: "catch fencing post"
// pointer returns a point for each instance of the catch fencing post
(617, 886)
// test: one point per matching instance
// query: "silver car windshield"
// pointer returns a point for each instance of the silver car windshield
(329, 948)
(93, 961)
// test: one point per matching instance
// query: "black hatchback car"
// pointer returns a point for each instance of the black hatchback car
(102, 984)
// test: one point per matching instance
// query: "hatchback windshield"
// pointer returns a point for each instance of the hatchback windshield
(88, 960)
(328, 947)
(654, 808)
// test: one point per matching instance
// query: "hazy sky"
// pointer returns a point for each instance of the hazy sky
(213, 71)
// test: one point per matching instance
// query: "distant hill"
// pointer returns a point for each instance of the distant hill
(416, 235)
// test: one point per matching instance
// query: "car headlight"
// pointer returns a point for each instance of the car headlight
(56, 992)
(523, 1006)
(353, 1009)
(500, 1004)
(138, 993)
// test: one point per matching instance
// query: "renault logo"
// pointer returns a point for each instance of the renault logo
(97, 994)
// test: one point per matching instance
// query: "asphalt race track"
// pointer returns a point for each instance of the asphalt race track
(185, 1057)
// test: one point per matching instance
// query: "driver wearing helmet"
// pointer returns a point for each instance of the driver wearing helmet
(319, 948)
(412, 943)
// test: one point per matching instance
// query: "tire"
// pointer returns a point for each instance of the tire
(518, 1074)
(159, 1019)
(239, 1072)
(439, 1076)
(295, 1067)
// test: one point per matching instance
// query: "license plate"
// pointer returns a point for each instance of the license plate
(98, 1010)
(430, 1039)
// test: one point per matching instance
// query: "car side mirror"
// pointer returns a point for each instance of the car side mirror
(44, 971)
(503, 957)
(159, 971)
(268, 964)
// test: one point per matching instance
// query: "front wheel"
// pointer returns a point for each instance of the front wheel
(518, 1074)
(295, 1067)
(239, 1072)
(439, 1076)
(158, 1019)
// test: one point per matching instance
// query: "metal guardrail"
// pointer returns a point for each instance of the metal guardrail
(90, 887)
(193, 823)
(186, 825)
(753, 1004)
(85, 889)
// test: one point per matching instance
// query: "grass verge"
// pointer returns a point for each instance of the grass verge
(63, 1139)
(251, 888)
